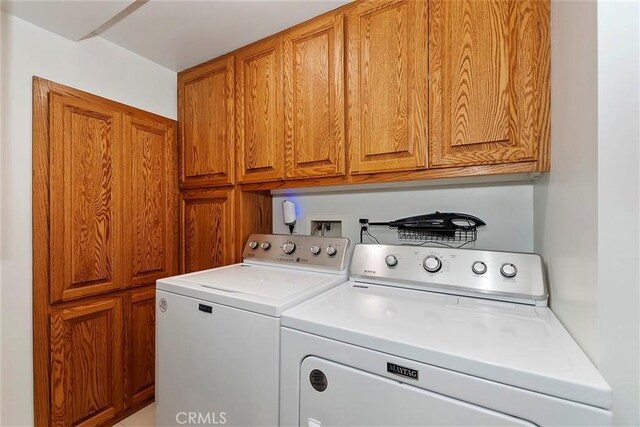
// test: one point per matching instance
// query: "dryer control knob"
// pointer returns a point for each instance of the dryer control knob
(508, 270)
(331, 251)
(253, 244)
(315, 249)
(479, 267)
(432, 264)
(289, 248)
(391, 260)
(265, 245)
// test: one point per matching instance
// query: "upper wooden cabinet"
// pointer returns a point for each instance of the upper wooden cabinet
(391, 90)
(488, 81)
(206, 115)
(259, 103)
(207, 228)
(314, 98)
(85, 187)
(387, 85)
(86, 360)
(151, 201)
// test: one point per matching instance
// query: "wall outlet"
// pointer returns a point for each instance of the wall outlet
(339, 225)
(325, 228)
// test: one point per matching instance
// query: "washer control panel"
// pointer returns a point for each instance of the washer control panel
(311, 251)
(505, 276)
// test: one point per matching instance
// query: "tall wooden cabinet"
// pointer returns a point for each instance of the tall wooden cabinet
(387, 85)
(105, 205)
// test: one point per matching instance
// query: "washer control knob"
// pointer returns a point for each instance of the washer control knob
(265, 246)
(508, 270)
(289, 248)
(432, 264)
(331, 251)
(253, 244)
(315, 249)
(479, 267)
(391, 260)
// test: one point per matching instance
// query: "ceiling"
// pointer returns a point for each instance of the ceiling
(74, 20)
(177, 34)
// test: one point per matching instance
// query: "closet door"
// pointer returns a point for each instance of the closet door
(387, 85)
(488, 81)
(151, 202)
(86, 362)
(85, 198)
(314, 98)
(259, 103)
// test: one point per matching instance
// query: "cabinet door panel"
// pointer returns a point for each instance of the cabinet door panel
(386, 85)
(259, 111)
(206, 124)
(207, 229)
(85, 198)
(151, 202)
(86, 363)
(140, 320)
(485, 65)
(314, 98)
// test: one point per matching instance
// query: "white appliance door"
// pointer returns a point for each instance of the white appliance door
(214, 364)
(358, 398)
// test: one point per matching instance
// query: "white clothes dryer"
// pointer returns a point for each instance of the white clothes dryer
(436, 336)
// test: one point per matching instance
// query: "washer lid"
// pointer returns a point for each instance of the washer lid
(520, 345)
(263, 289)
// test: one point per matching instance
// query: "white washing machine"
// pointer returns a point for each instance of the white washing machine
(218, 331)
(429, 336)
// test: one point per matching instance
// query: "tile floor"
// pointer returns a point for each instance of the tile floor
(145, 417)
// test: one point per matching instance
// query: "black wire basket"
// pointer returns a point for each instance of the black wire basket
(459, 237)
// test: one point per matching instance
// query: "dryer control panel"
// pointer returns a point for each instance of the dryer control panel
(309, 251)
(505, 276)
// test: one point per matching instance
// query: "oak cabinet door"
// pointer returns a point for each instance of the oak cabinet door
(151, 201)
(85, 161)
(207, 229)
(206, 111)
(488, 76)
(259, 106)
(139, 346)
(387, 85)
(314, 98)
(86, 362)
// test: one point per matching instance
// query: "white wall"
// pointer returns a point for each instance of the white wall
(506, 208)
(586, 210)
(618, 199)
(566, 200)
(95, 66)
